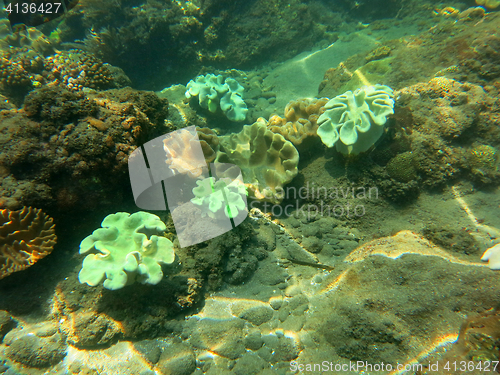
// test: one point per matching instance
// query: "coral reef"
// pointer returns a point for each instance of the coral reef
(465, 49)
(126, 250)
(483, 161)
(67, 150)
(22, 69)
(267, 160)
(26, 236)
(77, 69)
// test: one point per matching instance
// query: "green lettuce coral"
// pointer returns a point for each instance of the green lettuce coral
(354, 121)
(215, 91)
(127, 247)
(224, 195)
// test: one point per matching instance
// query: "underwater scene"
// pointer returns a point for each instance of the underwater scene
(249, 187)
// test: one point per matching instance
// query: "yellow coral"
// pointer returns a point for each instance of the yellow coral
(491, 4)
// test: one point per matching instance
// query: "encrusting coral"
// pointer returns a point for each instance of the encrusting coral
(26, 236)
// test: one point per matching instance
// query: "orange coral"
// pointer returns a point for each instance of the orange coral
(184, 153)
(26, 236)
(300, 120)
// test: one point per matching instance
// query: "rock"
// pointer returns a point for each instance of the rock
(271, 274)
(249, 364)
(88, 329)
(222, 337)
(38, 345)
(257, 315)
(177, 359)
(6, 323)
(253, 341)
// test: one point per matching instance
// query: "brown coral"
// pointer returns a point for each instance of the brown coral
(300, 120)
(26, 236)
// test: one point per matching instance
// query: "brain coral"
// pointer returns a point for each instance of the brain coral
(354, 121)
(267, 160)
(26, 236)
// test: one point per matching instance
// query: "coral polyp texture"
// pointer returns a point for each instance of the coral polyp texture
(354, 121)
(214, 196)
(26, 236)
(215, 91)
(127, 247)
(300, 122)
(267, 160)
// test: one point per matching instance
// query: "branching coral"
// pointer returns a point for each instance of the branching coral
(26, 236)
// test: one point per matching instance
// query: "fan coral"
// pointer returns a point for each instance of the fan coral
(300, 120)
(26, 236)
(356, 119)
(126, 245)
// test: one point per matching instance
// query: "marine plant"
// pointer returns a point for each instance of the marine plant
(127, 247)
(215, 91)
(354, 121)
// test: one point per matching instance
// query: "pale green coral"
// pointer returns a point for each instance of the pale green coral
(267, 160)
(354, 121)
(127, 247)
(214, 91)
(224, 194)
